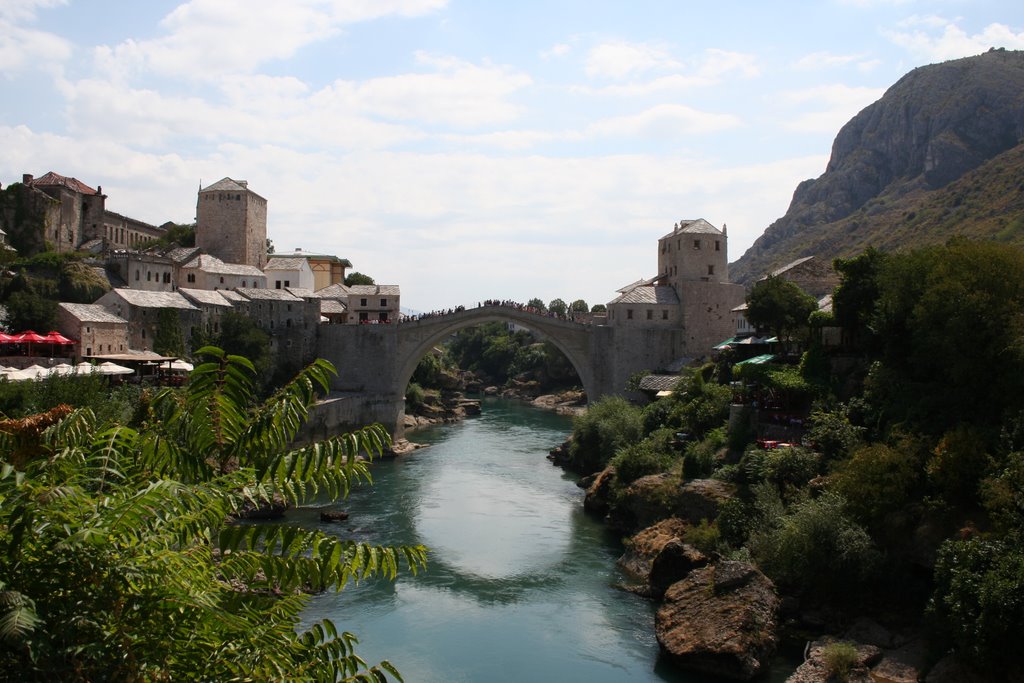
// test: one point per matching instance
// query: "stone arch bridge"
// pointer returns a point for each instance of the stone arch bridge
(375, 362)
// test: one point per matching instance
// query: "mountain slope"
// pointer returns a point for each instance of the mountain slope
(938, 155)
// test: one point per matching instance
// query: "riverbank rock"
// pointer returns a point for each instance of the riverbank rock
(644, 546)
(333, 515)
(659, 496)
(674, 563)
(721, 620)
(401, 447)
(569, 402)
(816, 669)
(597, 501)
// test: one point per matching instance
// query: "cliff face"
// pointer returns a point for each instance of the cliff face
(934, 126)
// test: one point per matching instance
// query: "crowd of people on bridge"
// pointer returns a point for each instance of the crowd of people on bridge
(503, 303)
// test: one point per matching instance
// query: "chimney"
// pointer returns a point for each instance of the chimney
(26, 178)
(244, 183)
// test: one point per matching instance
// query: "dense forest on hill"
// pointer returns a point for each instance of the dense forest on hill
(901, 495)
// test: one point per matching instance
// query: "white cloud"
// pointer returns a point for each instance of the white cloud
(935, 39)
(826, 108)
(22, 47)
(556, 51)
(711, 68)
(817, 61)
(617, 60)
(209, 38)
(665, 120)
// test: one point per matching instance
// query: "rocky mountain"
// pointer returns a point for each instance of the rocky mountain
(940, 154)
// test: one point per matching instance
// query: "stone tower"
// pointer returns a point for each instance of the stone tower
(231, 223)
(695, 251)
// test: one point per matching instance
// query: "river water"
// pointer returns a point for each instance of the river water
(519, 585)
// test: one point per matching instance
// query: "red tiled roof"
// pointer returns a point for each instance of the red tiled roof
(52, 178)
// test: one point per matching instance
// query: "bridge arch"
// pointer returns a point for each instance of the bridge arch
(418, 337)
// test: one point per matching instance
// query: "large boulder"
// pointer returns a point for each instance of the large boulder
(674, 563)
(644, 546)
(816, 669)
(658, 496)
(721, 619)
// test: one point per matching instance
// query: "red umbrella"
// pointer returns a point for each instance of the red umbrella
(6, 338)
(29, 337)
(54, 337)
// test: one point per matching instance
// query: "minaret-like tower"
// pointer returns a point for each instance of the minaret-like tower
(231, 223)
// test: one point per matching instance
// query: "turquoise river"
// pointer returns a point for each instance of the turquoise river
(520, 583)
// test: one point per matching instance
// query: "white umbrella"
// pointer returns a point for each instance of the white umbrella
(181, 365)
(62, 369)
(31, 372)
(109, 368)
(84, 368)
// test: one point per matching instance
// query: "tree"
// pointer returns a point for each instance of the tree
(780, 306)
(29, 311)
(168, 340)
(557, 306)
(579, 306)
(598, 308)
(119, 559)
(537, 304)
(356, 278)
(855, 298)
(240, 336)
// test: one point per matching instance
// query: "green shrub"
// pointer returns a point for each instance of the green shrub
(815, 547)
(839, 659)
(653, 455)
(414, 395)
(700, 458)
(787, 468)
(876, 481)
(608, 425)
(704, 537)
(830, 432)
(978, 603)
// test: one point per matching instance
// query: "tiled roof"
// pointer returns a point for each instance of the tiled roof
(227, 185)
(332, 306)
(698, 226)
(303, 292)
(335, 291)
(267, 294)
(51, 179)
(207, 297)
(147, 299)
(790, 266)
(299, 254)
(371, 290)
(92, 313)
(648, 294)
(278, 263)
(211, 264)
(182, 254)
(232, 296)
(659, 382)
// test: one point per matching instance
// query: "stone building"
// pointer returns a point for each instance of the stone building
(97, 330)
(373, 304)
(691, 291)
(206, 271)
(231, 223)
(291, 321)
(77, 216)
(289, 273)
(212, 306)
(327, 269)
(142, 310)
(814, 276)
(144, 270)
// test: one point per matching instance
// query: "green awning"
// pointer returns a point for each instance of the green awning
(758, 360)
(728, 341)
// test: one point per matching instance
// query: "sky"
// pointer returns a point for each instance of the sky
(464, 150)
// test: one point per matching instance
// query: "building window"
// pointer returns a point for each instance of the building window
(711, 270)
(149, 276)
(287, 283)
(243, 284)
(718, 245)
(696, 244)
(222, 279)
(136, 275)
(664, 315)
(289, 308)
(88, 350)
(143, 332)
(650, 314)
(629, 314)
(383, 303)
(362, 302)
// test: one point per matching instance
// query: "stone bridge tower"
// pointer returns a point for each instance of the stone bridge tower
(231, 223)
